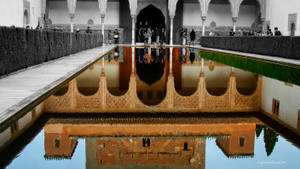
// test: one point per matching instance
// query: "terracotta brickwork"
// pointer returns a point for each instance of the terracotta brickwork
(143, 144)
(201, 101)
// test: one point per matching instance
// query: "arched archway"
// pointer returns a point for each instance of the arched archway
(151, 17)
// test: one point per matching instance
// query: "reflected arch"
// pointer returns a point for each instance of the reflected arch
(62, 90)
(217, 78)
(246, 82)
(88, 81)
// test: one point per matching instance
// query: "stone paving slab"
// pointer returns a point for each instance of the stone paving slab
(22, 88)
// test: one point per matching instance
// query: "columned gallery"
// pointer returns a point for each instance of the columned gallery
(203, 16)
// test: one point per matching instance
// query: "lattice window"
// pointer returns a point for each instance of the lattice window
(242, 141)
(185, 146)
(57, 143)
(275, 107)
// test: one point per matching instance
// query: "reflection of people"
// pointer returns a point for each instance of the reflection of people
(192, 55)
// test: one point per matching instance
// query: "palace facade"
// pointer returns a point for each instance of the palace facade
(220, 16)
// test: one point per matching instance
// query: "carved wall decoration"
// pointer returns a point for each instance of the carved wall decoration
(201, 101)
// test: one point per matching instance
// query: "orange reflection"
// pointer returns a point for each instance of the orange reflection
(127, 141)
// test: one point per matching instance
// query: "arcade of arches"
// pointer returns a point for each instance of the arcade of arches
(201, 15)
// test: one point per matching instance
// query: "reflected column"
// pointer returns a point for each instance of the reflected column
(202, 65)
(133, 59)
(171, 60)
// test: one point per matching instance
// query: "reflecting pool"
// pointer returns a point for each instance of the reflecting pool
(155, 141)
(160, 107)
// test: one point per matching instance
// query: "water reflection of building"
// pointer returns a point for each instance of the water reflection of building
(146, 143)
(119, 88)
(182, 152)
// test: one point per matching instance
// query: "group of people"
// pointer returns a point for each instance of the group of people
(184, 35)
(240, 32)
(149, 55)
(147, 34)
(187, 54)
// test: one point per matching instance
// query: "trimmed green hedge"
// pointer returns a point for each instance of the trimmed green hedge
(21, 48)
(281, 46)
(269, 69)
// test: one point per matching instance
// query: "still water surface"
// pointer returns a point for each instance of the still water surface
(154, 141)
(206, 142)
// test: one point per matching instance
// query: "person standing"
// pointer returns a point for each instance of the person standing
(88, 30)
(116, 36)
(277, 32)
(193, 36)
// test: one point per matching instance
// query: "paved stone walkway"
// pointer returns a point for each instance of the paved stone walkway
(22, 88)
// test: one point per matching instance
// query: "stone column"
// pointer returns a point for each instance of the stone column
(43, 13)
(71, 8)
(263, 29)
(133, 8)
(203, 25)
(204, 8)
(262, 4)
(235, 9)
(133, 17)
(71, 22)
(102, 8)
(172, 9)
(234, 20)
(102, 28)
(171, 29)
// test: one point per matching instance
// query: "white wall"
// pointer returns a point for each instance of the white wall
(35, 12)
(85, 10)
(91, 78)
(11, 13)
(218, 78)
(289, 98)
(221, 14)
(277, 14)
(190, 76)
(5, 136)
(24, 121)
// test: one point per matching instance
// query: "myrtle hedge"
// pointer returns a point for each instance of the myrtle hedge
(286, 73)
(281, 46)
(21, 48)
